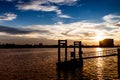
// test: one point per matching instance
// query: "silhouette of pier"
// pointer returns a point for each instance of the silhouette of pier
(74, 61)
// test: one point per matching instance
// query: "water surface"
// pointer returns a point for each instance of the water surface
(40, 64)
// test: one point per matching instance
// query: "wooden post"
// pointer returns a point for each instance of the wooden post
(80, 51)
(59, 60)
(62, 44)
(65, 50)
(72, 55)
(118, 50)
(74, 49)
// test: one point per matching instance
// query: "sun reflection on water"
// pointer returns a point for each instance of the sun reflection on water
(98, 49)
(99, 64)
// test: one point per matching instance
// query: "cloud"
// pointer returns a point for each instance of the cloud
(85, 31)
(111, 18)
(13, 31)
(10, 0)
(37, 6)
(59, 23)
(64, 16)
(23, 33)
(8, 17)
(7, 0)
(68, 2)
(46, 5)
(66, 31)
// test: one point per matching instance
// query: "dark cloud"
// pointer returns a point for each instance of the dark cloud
(42, 31)
(26, 40)
(118, 25)
(11, 30)
(66, 33)
(89, 34)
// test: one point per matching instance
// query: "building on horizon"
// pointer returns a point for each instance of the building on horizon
(106, 43)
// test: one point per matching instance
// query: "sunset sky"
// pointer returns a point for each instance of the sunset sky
(36, 21)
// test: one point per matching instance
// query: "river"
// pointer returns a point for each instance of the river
(40, 64)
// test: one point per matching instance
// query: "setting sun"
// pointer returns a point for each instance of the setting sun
(99, 38)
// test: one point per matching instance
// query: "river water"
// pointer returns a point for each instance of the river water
(40, 64)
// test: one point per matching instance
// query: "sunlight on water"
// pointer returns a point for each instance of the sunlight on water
(98, 49)
(99, 64)
(40, 64)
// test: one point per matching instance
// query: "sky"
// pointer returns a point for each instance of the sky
(46, 21)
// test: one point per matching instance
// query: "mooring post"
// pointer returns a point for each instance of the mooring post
(74, 49)
(118, 50)
(65, 50)
(80, 51)
(62, 44)
(59, 60)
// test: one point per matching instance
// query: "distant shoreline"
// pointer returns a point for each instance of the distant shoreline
(13, 47)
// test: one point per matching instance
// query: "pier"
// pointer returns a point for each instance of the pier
(74, 61)
(77, 57)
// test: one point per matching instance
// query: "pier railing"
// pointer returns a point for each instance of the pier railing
(94, 54)
(103, 53)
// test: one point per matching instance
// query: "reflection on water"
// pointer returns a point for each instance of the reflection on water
(98, 49)
(74, 74)
(99, 64)
(40, 64)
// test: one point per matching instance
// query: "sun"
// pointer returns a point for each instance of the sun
(99, 38)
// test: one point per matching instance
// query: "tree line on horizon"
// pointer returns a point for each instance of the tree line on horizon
(40, 45)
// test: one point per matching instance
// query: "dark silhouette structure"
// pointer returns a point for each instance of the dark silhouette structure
(62, 44)
(77, 44)
(106, 43)
(118, 62)
(74, 62)
(40, 45)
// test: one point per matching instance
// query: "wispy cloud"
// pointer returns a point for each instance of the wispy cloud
(85, 31)
(10, 30)
(58, 23)
(22, 31)
(7, 17)
(112, 20)
(80, 30)
(7, 0)
(47, 6)
(64, 16)
(10, 0)
(62, 2)
(37, 6)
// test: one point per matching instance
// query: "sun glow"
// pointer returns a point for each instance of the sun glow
(99, 38)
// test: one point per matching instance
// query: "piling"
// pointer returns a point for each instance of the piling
(62, 44)
(77, 44)
(118, 50)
